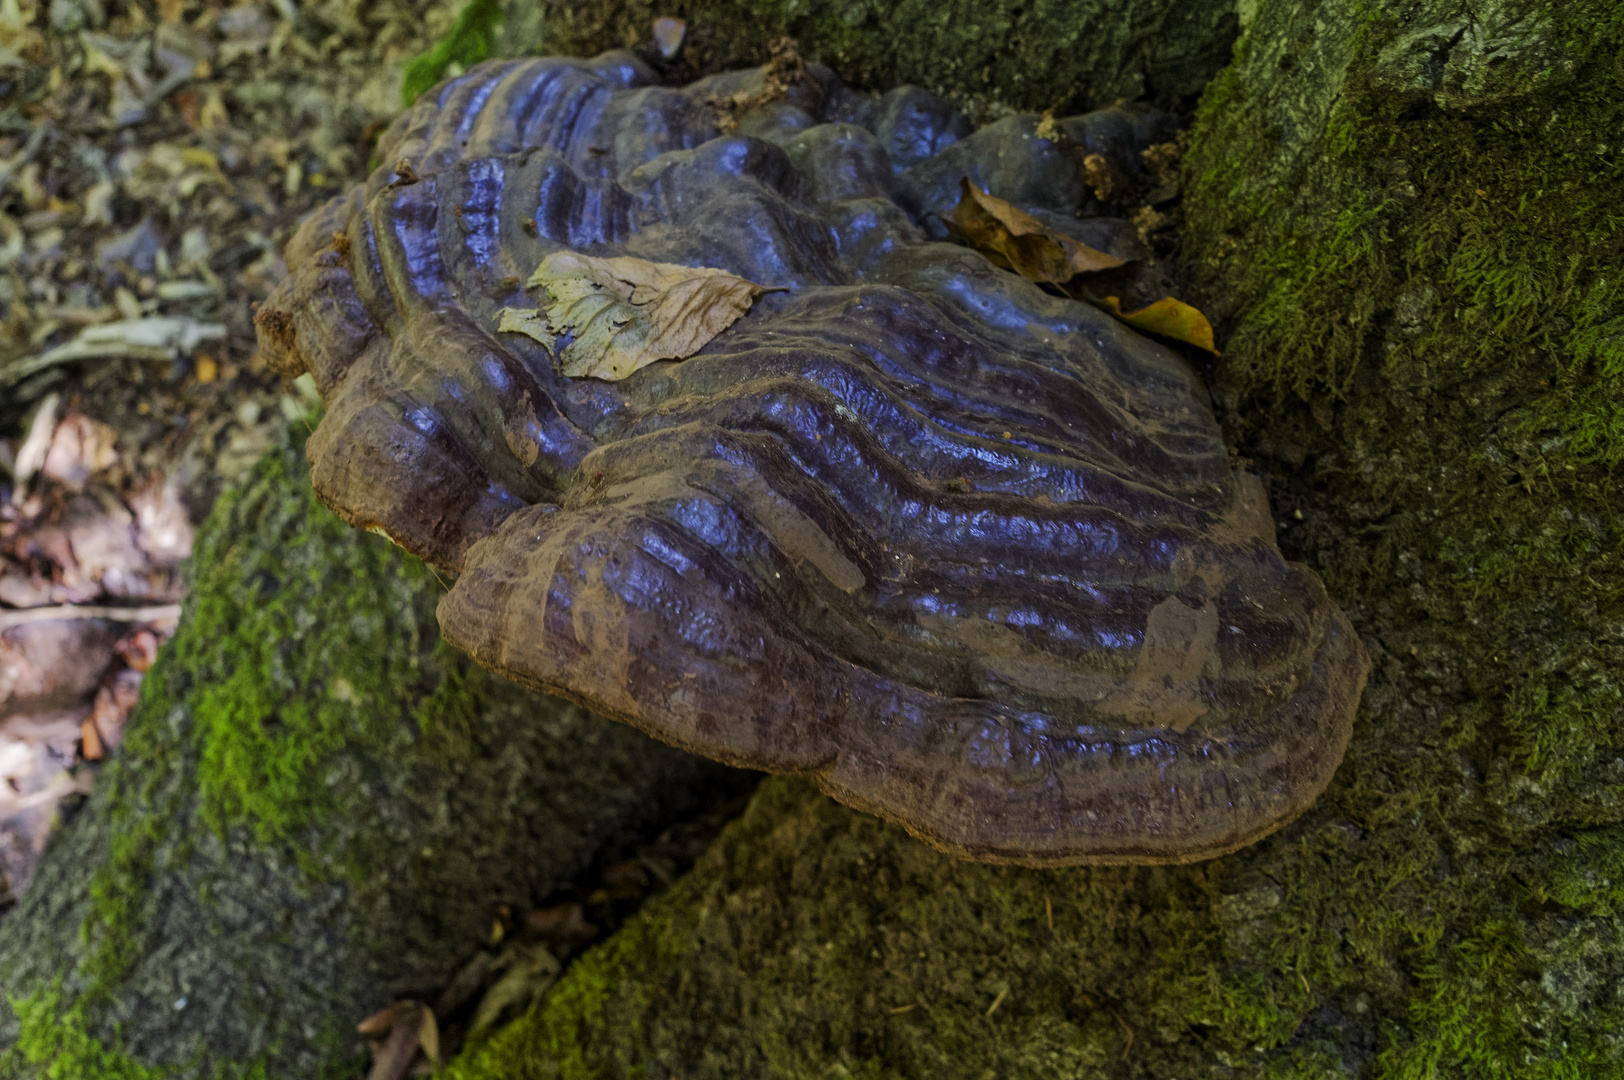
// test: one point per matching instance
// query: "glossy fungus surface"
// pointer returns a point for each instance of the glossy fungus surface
(971, 554)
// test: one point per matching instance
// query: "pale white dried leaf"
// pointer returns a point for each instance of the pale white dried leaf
(626, 313)
(531, 322)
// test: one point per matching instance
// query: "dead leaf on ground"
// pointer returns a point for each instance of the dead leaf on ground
(1169, 318)
(1015, 240)
(625, 313)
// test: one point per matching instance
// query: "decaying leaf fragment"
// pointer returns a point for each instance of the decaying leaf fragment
(625, 313)
(1169, 318)
(1015, 240)
(530, 322)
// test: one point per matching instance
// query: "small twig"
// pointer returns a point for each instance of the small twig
(438, 578)
(997, 1001)
(161, 613)
(1048, 909)
(900, 1009)
(1127, 1034)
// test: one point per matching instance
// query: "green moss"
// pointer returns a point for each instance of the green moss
(278, 672)
(1508, 213)
(1423, 300)
(266, 717)
(55, 1045)
(472, 38)
(813, 941)
(577, 1016)
(317, 806)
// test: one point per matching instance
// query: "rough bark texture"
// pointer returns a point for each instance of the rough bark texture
(319, 807)
(992, 56)
(1406, 214)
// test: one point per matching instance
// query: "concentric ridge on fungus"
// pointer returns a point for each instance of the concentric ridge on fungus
(971, 554)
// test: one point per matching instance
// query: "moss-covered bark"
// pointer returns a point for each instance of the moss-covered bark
(319, 807)
(1407, 216)
(991, 55)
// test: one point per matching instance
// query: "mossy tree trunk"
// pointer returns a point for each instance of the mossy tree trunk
(319, 808)
(991, 56)
(1407, 217)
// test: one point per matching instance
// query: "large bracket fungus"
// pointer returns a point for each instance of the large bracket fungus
(972, 554)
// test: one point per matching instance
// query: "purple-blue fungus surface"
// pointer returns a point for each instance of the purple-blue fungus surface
(971, 554)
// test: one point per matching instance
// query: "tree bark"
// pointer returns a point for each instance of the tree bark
(319, 808)
(991, 57)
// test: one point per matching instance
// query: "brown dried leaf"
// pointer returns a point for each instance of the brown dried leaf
(1015, 240)
(626, 313)
(90, 744)
(1169, 318)
(428, 1036)
(386, 1018)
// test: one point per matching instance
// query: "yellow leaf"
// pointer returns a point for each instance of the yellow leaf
(1169, 318)
(625, 313)
(1015, 240)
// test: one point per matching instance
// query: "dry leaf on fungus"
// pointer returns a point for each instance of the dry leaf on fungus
(530, 322)
(1015, 240)
(1169, 318)
(625, 313)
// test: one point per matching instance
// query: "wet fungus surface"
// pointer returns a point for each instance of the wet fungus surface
(971, 554)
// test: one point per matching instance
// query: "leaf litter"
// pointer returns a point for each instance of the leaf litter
(155, 155)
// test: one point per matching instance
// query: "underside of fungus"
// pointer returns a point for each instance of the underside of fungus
(970, 553)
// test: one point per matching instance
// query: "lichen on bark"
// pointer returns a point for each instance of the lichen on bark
(1405, 217)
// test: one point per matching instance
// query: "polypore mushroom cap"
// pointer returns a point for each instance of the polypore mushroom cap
(971, 554)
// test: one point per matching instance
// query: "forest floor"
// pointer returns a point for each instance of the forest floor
(154, 158)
